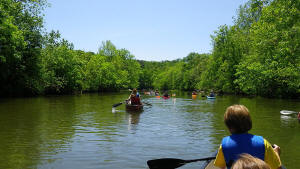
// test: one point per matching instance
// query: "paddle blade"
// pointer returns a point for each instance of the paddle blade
(287, 112)
(118, 104)
(165, 163)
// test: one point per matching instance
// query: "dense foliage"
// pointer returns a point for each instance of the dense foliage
(20, 46)
(258, 55)
(66, 70)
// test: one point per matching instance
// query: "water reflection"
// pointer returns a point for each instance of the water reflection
(133, 120)
(288, 121)
(174, 100)
(134, 117)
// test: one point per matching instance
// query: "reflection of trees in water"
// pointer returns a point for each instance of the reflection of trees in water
(34, 129)
(133, 120)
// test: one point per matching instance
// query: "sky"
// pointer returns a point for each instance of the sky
(152, 30)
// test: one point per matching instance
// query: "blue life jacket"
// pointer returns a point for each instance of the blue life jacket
(237, 144)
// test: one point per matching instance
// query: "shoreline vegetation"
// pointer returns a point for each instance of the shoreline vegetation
(259, 55)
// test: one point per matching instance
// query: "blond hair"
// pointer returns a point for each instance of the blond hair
(237, 119)
(246, 161)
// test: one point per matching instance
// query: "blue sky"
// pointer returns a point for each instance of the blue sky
(152, 30)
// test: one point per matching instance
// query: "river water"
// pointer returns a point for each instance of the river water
(84, 132)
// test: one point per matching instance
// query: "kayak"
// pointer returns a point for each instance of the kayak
(194, 96)
(209, 164)
(134, 107)
(208, 97)
(166, 97)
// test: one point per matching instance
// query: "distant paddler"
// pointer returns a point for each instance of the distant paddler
(212, 94)
(166, 95)
(194, 94)
(157, 94)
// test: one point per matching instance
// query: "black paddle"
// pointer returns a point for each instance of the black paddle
(118, 104)
(171, 163)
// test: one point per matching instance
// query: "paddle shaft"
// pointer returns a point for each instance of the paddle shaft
(200, 159)
(118, 104)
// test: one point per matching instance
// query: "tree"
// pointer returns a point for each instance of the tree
(21, 40)
(273, 64)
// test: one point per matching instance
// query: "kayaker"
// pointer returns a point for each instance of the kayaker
(134, 98)
(299, 117)
(166, 95)
(247, 161)
(156, 92)
(212, 94)
(238, 121)
(137, 93)
(194, 93)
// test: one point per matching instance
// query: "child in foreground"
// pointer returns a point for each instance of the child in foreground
(238, 121)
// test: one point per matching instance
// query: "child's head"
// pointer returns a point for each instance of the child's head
(134, 91)
(246, 161)
(237, 119)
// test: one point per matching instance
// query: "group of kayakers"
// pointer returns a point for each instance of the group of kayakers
(134, 96)
(164, 95)
(202, 93)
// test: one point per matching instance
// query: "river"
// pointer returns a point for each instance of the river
(84, 132)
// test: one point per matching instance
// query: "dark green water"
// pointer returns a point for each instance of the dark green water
(82, 132)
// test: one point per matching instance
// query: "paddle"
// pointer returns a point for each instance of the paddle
(287, 112)
(171, 163)
(118, 104)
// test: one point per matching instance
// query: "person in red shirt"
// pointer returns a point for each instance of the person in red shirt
(134, 99)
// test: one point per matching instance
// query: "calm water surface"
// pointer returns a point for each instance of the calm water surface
(83, 132)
